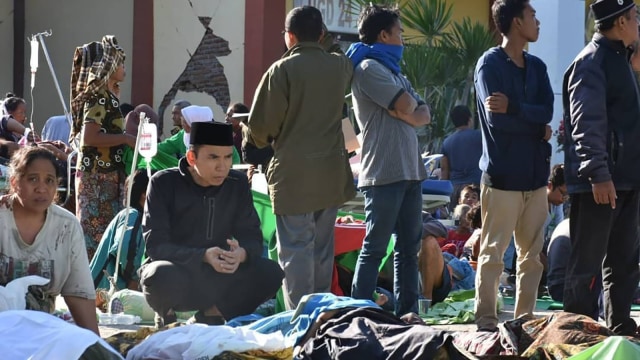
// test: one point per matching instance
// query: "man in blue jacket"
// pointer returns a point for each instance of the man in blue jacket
(602, 153)
(515, 104)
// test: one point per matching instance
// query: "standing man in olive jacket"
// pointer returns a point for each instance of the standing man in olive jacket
(602, 128)
(297, 109)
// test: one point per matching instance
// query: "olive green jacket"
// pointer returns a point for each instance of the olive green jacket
(297, 109)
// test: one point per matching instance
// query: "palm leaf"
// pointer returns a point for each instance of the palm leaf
(473, 39)
(430, 18)
(354, 7)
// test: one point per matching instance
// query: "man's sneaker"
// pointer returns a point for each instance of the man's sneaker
(200, 318)
(161, 321)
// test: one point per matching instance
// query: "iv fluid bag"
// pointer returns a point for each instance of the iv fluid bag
(148, 140)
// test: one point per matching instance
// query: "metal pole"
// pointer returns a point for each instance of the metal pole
(53, 74)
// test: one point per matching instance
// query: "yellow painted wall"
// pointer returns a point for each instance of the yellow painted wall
(476, 10)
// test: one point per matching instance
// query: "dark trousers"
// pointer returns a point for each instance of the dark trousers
(604, 240)
(169, 286)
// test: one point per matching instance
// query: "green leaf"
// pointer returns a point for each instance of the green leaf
(354, 7)
(429, 17)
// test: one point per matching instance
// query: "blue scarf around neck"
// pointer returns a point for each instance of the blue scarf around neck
(387, 55)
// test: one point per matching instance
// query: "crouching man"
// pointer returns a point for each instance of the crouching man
(203, 236)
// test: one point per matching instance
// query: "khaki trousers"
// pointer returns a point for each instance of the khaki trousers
(521, 213)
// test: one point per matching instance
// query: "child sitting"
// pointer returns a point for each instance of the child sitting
(472, 246)
(458, 235)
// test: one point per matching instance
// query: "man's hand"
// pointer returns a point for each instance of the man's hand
(547, 132)
(497, 103)
(213, 257)
(604, 193)
(234, 257)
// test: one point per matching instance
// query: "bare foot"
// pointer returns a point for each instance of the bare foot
(381, 299)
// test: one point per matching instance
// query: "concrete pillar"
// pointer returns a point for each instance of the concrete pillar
(264, 42)
(562, 29)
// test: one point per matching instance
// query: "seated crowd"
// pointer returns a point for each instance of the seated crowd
(208, 232)
(183, 230)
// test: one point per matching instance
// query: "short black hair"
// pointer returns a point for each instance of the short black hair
(460, 115)
(126, 108)
(305, 22)
(556, 179)
(471, 187)
(195, 149)
(504, 11)
(11, 102)
(607, 24)
(374, 19)
(240, 108)
(181, 104)
(139, 181)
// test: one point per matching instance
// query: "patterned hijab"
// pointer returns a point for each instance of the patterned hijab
(93, 65)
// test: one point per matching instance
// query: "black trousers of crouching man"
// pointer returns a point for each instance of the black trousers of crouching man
(170, 286)
(604, 240)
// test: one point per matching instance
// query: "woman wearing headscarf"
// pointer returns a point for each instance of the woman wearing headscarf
(98, 69)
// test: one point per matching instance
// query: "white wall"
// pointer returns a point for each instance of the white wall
(73, 23)
(178, 32)
(561, 39)
(6, 43)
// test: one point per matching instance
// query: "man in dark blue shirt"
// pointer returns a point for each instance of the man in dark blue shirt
(461, 153)
(515, 104)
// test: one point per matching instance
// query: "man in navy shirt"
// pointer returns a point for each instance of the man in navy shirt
(515, 104)
(461, 151)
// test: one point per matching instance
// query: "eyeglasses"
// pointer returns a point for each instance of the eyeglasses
(564, 193)
(284, 32)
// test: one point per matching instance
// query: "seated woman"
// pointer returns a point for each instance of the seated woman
(13, 119)
(132, 243)
(38, 237)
